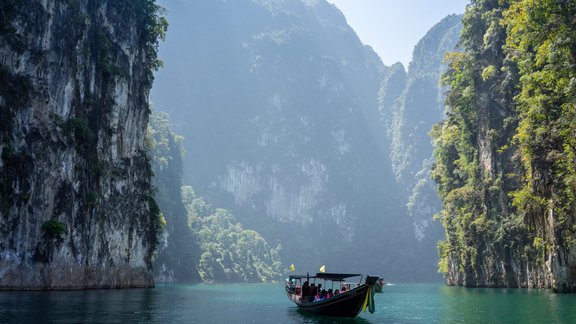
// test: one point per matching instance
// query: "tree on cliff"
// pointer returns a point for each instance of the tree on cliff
(178, 251)
(76, 201)
(505, 152)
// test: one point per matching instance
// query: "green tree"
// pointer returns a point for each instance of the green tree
(179, 252)
(229, 252)
(542, 42)
(505, 154)
(474, 166)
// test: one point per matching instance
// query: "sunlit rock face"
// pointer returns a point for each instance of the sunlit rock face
(411, 102)
(278, 104)
(516, 227)
(74, 180)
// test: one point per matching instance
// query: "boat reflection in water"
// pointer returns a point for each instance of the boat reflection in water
(350, 300)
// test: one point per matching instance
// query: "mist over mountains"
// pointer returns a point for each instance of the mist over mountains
(299, 130)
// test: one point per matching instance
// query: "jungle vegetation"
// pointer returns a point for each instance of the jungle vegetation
(505, 153)
(201, 243)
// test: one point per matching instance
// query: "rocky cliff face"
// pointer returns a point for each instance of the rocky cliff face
(76, 205)
(410, 103)
(281, 106)
(278, 103)
(486, 241)
(504, 153)
(178, 251)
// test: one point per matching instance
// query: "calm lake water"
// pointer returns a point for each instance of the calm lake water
(267, 303)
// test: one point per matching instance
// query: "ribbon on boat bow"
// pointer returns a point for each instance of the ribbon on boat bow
(369, 301)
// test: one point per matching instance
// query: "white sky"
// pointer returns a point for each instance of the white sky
(393, 27)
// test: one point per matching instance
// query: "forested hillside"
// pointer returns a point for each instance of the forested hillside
(199, 242)
(178, 252)
(505, 164)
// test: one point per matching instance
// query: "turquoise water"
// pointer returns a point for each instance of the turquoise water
(267, 303)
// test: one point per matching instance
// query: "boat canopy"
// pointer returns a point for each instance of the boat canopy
(327, 276)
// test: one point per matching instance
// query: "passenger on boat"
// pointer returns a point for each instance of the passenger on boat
(336, 292)
(292, 286)
(343, 289)
(313, 292)
(329, 293)
(323, 295)
(305, 291)
(320, 296)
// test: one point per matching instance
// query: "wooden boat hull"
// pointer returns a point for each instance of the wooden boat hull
(348, 304)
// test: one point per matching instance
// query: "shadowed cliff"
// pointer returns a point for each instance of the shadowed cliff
(76, 205)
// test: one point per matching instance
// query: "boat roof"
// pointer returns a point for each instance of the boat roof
(327, 276)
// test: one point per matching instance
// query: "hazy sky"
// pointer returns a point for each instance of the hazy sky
(393, 27)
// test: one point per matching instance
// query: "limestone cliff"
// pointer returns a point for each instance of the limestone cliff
(411, 102)
(278, 103)
(505, 152)
(76, 204)
(178, 251)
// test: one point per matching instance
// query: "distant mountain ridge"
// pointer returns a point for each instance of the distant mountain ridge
(278, 102)
(411, 103)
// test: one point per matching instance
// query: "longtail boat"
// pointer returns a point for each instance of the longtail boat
(380, 283)
(349, 303)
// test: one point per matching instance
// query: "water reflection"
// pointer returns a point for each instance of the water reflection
(261, 303)
(299, 316)
(89, 306)
(474, 305)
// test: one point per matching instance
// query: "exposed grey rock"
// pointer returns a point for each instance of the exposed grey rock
(74, 88)
(411, 102)
(278, 103)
